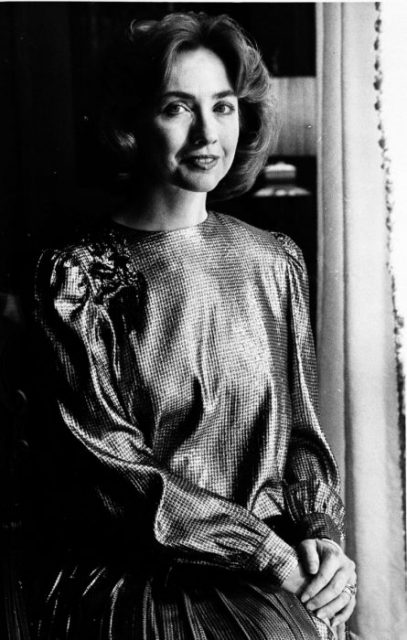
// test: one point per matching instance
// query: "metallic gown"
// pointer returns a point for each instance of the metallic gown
(184, 376)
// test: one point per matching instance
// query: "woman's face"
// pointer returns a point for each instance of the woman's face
(190, 139)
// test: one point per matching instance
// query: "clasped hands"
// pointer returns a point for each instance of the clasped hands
(320, 578)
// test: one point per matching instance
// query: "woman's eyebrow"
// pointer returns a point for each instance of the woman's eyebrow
(190, 96)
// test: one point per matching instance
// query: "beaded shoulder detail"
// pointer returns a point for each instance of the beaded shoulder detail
(106, 258)
(114, 281)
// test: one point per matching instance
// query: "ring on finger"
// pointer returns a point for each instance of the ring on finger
(351, 589)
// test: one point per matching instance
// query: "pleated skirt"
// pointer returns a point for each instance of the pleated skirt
(188, 603)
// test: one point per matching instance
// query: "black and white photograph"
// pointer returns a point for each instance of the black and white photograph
(203, 299)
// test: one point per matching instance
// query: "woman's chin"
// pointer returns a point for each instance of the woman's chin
(199, 183)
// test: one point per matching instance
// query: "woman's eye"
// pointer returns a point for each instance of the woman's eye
(175, 109)
(225, 108)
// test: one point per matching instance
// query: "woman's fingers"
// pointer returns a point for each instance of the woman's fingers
(326, 594)
(335, 572)
(345, 614)
(333, 589)
(340, 606)
(329, 565)
(309, 557)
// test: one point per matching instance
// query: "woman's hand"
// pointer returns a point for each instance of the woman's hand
(325, 594)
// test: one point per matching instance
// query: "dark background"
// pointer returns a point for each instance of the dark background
(55, 177)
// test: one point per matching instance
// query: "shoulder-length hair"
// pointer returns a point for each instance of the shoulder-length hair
(137, 67)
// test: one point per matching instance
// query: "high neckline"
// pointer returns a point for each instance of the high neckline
(148, 233)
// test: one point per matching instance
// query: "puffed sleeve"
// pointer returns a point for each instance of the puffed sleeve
(192, 524)
(312, 482)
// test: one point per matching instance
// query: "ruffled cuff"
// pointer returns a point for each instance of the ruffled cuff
(316, 509)
(275, 558)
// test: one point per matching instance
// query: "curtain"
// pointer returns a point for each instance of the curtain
(360, 379)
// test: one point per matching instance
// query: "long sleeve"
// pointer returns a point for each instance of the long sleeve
(312, 481)
(188, 521)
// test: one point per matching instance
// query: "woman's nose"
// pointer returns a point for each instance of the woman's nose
(204, 129)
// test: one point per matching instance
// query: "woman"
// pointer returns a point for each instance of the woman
(197, 494)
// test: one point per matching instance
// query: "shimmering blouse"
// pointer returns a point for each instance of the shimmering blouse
(185, 365)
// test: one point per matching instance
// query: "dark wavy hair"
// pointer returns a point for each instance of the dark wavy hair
(138, 65)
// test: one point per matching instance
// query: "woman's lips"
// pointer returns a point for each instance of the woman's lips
(204, 162)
